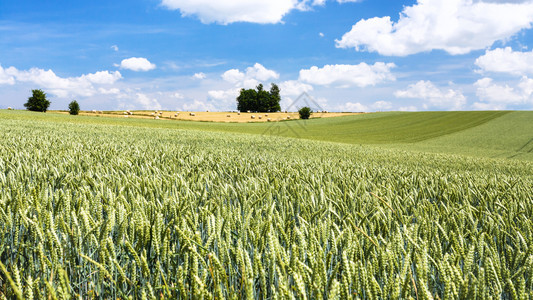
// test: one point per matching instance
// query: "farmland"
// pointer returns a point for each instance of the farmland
(389, 205)
(227, 117)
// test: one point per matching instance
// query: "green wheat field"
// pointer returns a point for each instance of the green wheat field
(430, 205)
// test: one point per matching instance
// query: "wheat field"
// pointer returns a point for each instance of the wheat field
(110, 211)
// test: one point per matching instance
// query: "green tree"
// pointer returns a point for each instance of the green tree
(259, 100)
(247, 100)
(74, 108)
(263, 99)
(275, 98)
(37, 102)
(305, 112)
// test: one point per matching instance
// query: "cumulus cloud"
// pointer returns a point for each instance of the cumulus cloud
(111, 91)
(6, 76)
(382, 105)
(233, 76)
(294, 88)
(147, 102)
(198, 105)
(505, 60)
(137, 64)
(231, 11)
(251, 77)
(199, 76)
(408, 108)
(434, 96)
(360, 107)
(500, 96)
(257, 72)
(353, 107)
(360, 75)
(84, 85)
(224, 95)
(455, 26)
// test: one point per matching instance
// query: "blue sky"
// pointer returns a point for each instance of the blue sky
(366, 55)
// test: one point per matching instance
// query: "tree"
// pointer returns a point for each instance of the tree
(275, 98)
(305, 112)
(37, 102)
(259, 100)
(74, 108)
(247, 100)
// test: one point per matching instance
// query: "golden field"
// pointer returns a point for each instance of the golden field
(228, 117)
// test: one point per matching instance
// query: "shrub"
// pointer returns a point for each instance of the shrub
(305, 112)
(74, 108)
(37, 102)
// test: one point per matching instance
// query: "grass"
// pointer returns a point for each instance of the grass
(117, 208)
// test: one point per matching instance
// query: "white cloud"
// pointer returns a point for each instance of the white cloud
(251, 77)
(320, 34)
(84, 85)
(435, 97)
(224, 95)
(115, 48)
(506, 61)
(500, 96)
(137, 64)
(294, 88)
(455, 26)
(360, 107)
(146, 102)
(261, 73)
(382, 105)
(111, 91)
(102, 77)
(198, 105)
(353, 107)
(233, 76)
(6, 76)
(199, 76)
(360, 75)
(408, 108)
(231, 11)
